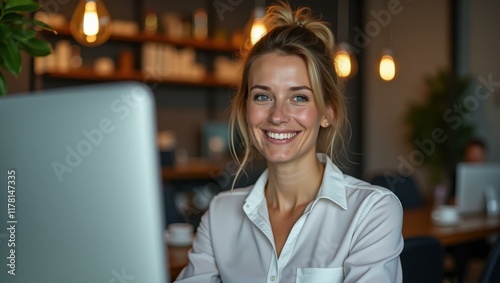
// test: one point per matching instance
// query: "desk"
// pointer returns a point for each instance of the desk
(417, 222)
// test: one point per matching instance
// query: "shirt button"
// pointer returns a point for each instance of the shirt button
(273, 278)
(247, 206)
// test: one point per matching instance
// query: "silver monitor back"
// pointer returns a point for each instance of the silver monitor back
(471, 180)
(80, 196)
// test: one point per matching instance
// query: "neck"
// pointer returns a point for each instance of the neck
(293, 185)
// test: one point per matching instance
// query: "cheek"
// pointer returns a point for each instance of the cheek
(256, 115)
(253, 122)
(308, 117)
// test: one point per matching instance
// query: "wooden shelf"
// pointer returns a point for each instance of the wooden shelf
(193, 170)
(89, 74)
(208, 44)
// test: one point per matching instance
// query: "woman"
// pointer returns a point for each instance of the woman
(303, 220)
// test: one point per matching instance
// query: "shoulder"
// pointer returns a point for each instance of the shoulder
(373, 205)
(231, 198)
(367, 193)
(351, 193)
(233, 194)
(357, 184)
(226, 210)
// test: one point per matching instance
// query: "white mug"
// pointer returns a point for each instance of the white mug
(445, 215)
(180, 234)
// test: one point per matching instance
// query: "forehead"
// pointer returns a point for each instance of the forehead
(279, 68)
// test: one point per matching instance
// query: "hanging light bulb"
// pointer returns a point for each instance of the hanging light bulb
(343, 64)
(344, 61)
(258, 28)
(90, 23)
(387, 66)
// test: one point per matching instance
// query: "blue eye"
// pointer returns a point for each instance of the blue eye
(261, 97)
(301, 98)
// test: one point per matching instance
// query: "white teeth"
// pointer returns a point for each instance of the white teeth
(281, 136)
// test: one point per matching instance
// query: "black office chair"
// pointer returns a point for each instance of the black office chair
(491, 271)
(422, 260)
(404, 187)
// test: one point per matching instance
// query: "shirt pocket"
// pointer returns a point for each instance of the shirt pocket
(320, 275)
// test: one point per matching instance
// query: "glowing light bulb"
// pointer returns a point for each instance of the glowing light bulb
(343, 64)
(387, 67)
(90, 20)
(258, 31)
(90, 23)
(345, 61)
(258, 27)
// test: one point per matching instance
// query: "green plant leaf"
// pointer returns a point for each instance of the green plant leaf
(36, 47)
(426, 117)
(42, 25)
(11, 56)
(3, 83)
(18, 32)
(11, 17)
(4, 31)
(23, 34)
(20, 6)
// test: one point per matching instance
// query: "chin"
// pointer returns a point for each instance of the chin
(276, 157)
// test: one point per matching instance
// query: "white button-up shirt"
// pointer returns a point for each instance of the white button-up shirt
(351, 232)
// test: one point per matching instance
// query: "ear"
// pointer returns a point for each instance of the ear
(325, 122)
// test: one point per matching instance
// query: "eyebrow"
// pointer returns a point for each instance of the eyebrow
(294, 88)
(261, 87)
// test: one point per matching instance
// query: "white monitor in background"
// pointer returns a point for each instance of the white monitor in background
(471, 181)
(81, 196)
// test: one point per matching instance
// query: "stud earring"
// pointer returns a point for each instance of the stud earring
(327, 124)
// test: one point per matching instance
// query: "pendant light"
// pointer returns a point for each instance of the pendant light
(258, 27)
(387, 66)
(90, 24)
(345, 62)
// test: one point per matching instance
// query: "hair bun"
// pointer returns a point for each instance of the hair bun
(281, 14)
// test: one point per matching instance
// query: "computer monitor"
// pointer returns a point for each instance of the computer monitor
(81, 196)
(471, 180)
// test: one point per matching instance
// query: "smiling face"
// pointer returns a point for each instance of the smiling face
(282, 115)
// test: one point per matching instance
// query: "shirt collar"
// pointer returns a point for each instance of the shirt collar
(332, 186)
(256, 195)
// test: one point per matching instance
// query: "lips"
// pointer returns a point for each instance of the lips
(281, 136)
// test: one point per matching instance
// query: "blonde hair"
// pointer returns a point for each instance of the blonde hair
(294, 33)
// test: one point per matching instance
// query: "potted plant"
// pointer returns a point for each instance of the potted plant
(437, 113)
(18, 32)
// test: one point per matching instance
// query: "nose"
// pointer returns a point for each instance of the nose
(278, 114)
